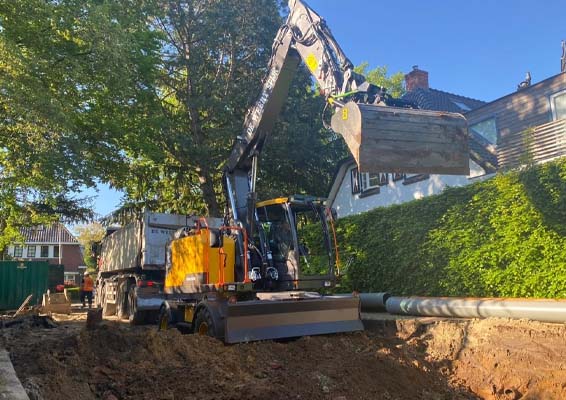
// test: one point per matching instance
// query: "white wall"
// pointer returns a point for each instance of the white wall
(347, 203)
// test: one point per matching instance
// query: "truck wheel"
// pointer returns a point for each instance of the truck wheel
(121, 301)
(136, 317)
(107, 308)
(97, 302)
(204, 323)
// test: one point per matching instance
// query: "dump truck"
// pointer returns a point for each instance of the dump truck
(131, 266)
(264, 271)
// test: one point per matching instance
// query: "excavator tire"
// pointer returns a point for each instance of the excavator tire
(204, 323)
(165, 319)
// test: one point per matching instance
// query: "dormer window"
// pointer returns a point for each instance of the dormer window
(486, 129)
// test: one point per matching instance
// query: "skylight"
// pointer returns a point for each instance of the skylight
(461, 106)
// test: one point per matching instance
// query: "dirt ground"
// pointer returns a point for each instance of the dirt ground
(403, 359)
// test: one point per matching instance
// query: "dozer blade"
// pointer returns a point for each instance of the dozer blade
(275, 319)
(390, 139)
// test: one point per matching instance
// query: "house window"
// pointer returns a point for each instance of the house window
(31, 251)
(558, 105)
(367, 182)
(44, 251)
(397, 176)
(355, 180)
(487, 129)
(370, 181)
(18, 251)
(55, 251)
(410, 179)
(70, 278)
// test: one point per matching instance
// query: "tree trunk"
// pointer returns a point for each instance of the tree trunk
(208, 193)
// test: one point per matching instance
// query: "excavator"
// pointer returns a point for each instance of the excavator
(266, 269)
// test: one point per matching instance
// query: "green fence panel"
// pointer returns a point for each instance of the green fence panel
(20, 279)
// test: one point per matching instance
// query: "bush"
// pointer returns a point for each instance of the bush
(502, 237)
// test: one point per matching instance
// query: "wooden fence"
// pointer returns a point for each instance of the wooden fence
(539, 144)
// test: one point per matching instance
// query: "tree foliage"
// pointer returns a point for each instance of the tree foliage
(213, 56)
(379, 76)
(301, 155)
(89, 235)
(72, 74)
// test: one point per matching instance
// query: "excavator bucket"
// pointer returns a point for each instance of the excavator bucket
(277, 318)
(390, 139)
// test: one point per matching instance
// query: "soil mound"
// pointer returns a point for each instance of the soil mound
(118, 362)
(421, 358)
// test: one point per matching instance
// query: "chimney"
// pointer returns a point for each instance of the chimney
(416, 79)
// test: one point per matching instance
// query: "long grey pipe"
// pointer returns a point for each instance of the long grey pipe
(537, 310)
(370, 302)
(373, 302)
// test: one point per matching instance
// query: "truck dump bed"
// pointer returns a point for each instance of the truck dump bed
(141, 244)
(390, 139)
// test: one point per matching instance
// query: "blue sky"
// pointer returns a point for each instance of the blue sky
(480, 49)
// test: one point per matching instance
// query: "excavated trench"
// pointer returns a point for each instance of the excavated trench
(411, 358)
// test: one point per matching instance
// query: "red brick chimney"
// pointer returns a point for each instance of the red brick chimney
(416, 79)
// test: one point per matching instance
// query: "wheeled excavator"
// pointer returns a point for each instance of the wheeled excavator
(261, 271)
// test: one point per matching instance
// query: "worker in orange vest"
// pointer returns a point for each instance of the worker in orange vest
(87, 286)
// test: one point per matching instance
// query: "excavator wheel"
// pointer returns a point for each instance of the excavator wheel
(204, 324)
(165, 321)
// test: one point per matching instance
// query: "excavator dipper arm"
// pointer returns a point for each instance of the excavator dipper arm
(304, 36)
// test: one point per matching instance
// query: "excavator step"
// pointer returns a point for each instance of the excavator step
(253, 320)
(391, 139)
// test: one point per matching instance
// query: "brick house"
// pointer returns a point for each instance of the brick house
(54, 244)
(528, 124)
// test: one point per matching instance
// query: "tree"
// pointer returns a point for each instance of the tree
(213, 56)
(378, 76)
(147, 96)
(72, 74)
(89, 235)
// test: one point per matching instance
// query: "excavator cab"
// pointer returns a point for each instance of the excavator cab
(299, 235)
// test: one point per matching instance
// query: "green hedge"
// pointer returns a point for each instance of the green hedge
(502, 237)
